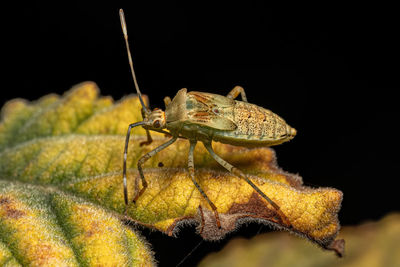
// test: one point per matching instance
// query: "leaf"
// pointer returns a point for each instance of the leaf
(82, 157)
(40, 223)
(369, 244)
(43, 226)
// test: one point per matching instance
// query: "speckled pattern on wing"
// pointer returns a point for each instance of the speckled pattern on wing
(254, 123)
(257, 122)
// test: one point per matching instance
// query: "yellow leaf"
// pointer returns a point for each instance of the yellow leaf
(74, 145)
(43, 226)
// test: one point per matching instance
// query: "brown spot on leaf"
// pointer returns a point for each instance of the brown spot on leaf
(4, 200)
(44, 254)
(94, 228)
(337, 246)
(14, 214)
(255, 206)
(10, 210)
(208, 228)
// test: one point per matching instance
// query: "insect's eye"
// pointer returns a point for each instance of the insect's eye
(157, 124)
(215, 110)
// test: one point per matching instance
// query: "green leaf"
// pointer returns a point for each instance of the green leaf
(41, 223)
(72, 146)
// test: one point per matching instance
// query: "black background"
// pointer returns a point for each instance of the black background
(331, 72)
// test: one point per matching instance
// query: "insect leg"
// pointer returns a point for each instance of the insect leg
(240, 174)
(167, 100)
(126, 155)
(144, 158)
(236, 91)
(192, 176)
(149, 139)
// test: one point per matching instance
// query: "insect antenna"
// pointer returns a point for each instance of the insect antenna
(124, 30)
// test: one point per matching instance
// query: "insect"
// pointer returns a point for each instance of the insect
(205, 117)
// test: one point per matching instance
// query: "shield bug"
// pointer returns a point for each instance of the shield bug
(205, 117)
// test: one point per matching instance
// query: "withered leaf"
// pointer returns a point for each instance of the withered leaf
(81, 156)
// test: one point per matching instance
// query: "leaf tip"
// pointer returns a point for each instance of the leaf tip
(337, 246)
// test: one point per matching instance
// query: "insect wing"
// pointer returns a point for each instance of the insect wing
(211, 120)
(211, 100)
(208, 110)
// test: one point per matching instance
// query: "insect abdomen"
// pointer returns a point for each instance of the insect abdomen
(255, 126)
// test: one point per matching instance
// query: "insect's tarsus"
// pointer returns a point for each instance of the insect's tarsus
(192, 176)
(240, 174)
(143, 159)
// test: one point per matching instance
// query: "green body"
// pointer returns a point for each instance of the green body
(204, 117)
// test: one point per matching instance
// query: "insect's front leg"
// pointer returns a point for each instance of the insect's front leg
(128, 134)
(192, 176)
(142, 160)
(236, 91)
(240, 174)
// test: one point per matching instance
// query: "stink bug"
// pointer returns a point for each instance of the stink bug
(206, 117)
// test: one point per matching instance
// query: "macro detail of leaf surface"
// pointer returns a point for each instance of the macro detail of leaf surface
(41, 222)
(61, 188)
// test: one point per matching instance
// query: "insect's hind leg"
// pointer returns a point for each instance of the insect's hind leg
(192, 176)
(240, 174)
(142, 160)
(236, 91)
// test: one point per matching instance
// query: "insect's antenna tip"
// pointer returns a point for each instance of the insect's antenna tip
(123, 23)
(125, 32)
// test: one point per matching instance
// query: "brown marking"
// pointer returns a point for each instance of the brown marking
(9, 208)
(94, 228)
(4, 200)
(337, 246)
(203, 222)
(201, 98)
(171, 228)
(201, 114)
(44, 254)
(14, 214)
(256, 205)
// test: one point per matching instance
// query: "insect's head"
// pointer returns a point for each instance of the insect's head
(155, 120)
